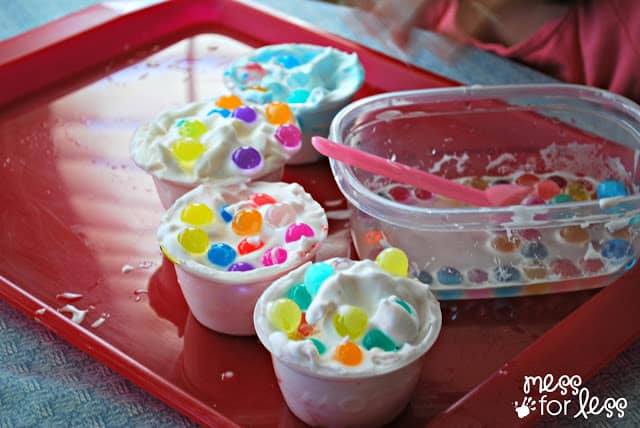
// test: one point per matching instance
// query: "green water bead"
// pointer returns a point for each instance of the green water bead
(377, 339)
(405, 305)
(192, 128)
(351, 321)
(299, 294)
(319, 346)
(562, 197)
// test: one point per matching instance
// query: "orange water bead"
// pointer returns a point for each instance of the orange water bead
(348, 353)
(578, 192)
(535, 270)
(278, 113)
(621, 233)
(574, 234)
(247, 222)
(229, 102)
(372, 236)
(258, 88)
(527, 179)
(505, 244)
(477, 183)
(547, 189)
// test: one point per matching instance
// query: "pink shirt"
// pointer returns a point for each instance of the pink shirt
(595, 43)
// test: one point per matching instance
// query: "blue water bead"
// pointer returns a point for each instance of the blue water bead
(534, 250)
(377, 339)
(221, 254)
(299, 294)
(221, 111)
(506, 273)
(180, 123)
(617, 249)
(241, 267)
(425, 277)
(288, 61)
(610, 189)
(226, 215)
(299, 96)
(449, 276)
(407, 307)
(630, 264)
(315, 275)
(561, 198)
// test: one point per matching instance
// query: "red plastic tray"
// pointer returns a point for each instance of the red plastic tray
(75, 210)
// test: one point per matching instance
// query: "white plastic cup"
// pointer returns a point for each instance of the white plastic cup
(225, 306)
(168, 191)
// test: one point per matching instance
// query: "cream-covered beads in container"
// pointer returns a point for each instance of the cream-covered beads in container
(346, 338)
(230, 240)
(316, 81)
(214, 140)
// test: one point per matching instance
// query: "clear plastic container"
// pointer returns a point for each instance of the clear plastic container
(480, 135)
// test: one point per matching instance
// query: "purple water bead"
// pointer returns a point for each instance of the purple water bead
(289, 136)
(241, 267)
(245, 114)
(477, 276)
(247, 159)
(296, 231)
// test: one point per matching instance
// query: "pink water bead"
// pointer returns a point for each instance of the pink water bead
(274, 256)
(289, 136)
(296, 231)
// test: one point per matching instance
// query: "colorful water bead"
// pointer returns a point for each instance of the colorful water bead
(280, 215)
(274, 256)
(535, 269)
(449, 275)
(350, 321)
(248, 245)
(421, 194)
(547, 189)
(505, 243)
(477, 276)
(561, 198)
(221, 254)
(425, 277)
(247, 222)
(617, 250)
(527, 179)
(192, 129)
(377, 339)
(229, 102)
(506, 273)
(405, 305)
(296, 231)
(219, 111)
(399, 193)
(591, 266)
(611, 189)
(197, 214)
(262, 199)
(304, 329)
(278, 113)
(241, 267)
(564, 268)
(285, 315)
(320, 347)
(315, 275)
(574, 234)
(289, 136)
(187, 151)
(288, 61)
(529, 234)
(348, 353)
(247, 159)
(252, 72)
(394, 261)
(245, 114)
(299, 294)
(477, 183)
(534, 250)
(298, 96)
(225, 215)
(559, 180)
(577, 191)
(194, 240)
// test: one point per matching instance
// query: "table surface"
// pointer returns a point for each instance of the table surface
(65, 387)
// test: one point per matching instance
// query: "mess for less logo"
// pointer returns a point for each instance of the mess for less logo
(567, 386)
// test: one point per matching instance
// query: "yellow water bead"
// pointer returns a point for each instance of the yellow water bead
(194, 240)
(197, 214)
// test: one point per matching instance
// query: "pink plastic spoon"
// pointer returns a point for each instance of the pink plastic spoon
(495, 196)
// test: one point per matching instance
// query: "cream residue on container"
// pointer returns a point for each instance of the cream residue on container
(292, 206)
(152, 146)
(400, 308)
(305, 76)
